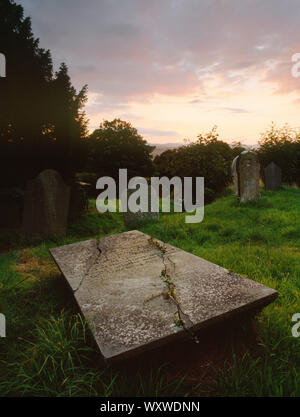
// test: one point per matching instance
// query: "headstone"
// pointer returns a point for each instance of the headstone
(119, 284)
(11, 204)
(235, 175)
(79, 202)
(272, 177)
(246, 174)
(132, 219)
(46, 206)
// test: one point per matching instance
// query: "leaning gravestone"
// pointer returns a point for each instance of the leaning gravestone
(46, 206)
(132, 219)
(272, 177)
(246, 174)
(235, 175)
(138, 293)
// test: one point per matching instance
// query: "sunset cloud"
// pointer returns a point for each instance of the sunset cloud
(178, 66)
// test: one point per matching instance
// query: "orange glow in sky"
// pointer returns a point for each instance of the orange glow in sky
(176, 68)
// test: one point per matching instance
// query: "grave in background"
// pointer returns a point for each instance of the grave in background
(272, 177)
(138, 293)
(235, 175)
(246, 173)
(46, 206)
(132, 219)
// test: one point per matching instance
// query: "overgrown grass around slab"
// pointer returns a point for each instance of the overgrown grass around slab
(49, 351)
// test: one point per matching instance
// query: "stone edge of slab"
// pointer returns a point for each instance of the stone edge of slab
(253, 307)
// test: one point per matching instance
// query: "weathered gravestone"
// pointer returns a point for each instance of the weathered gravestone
(11, 203)
(46, 206)
(235, 175)
(138, 293)
(132, 219)
(246, 174)
(79, 202)
(272, 177)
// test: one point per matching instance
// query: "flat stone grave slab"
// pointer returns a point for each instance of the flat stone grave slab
(138, 293)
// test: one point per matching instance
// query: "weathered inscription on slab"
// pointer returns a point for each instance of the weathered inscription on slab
(133, 290)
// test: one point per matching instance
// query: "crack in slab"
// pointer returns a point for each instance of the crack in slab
(98, 253)
(184, 318)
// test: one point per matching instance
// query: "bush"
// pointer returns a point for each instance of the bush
(282, 146)
(208, 157)
(115, 145)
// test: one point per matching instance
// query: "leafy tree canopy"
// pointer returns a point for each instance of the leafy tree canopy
(41, 117)
(282, 146)
(117, 144)
(208, 157)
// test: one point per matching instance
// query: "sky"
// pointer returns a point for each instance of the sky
(176, 68)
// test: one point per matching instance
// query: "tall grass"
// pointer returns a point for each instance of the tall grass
(50, 352)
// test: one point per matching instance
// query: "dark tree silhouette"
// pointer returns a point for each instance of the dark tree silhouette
(67, 126)
(116, 144)
(208, 157)
(282, 146)
(33, 105)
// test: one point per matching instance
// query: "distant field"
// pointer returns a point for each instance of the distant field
(160, 148)
(49, 352)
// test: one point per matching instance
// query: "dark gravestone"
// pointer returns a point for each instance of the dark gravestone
(11, 203)
(46, 206)
(79, 202)
(272, 177)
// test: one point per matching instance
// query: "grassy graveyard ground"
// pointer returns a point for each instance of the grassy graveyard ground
(49, 350)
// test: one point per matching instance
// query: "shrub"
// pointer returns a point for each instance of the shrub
(282, 146)
(208, 157)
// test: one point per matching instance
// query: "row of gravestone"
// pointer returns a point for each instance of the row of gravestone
(47, 206)
(47, 198)
(246, 176)
(25, 207)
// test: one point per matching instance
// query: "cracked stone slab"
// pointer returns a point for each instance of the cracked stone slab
(118, 287)
(76, 260)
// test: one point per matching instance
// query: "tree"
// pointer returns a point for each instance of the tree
(237, 148)
(208, 157)
(22, 112)
(165, 164)
(33, 104)
(67, 126)
(117, 144)
(282, 146)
